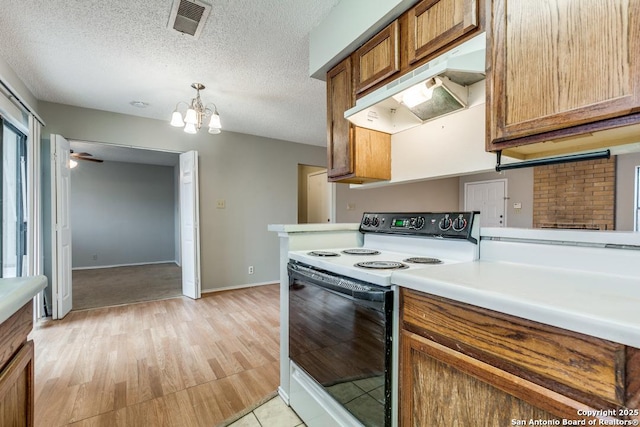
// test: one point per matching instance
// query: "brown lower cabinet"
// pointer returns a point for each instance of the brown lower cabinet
(16, 369)
(447, 388)
(462, 365)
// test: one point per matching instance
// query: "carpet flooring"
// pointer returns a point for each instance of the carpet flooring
(103, 287)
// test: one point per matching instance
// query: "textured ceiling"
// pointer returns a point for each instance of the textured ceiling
(252, 57)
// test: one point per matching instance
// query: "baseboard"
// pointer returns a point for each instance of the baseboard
(230, 288)
(95, 267)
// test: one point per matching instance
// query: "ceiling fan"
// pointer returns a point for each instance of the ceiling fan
(85, 156)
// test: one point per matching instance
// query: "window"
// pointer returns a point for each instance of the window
(14, 211)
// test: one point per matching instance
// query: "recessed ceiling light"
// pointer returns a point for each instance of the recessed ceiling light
(139, 104)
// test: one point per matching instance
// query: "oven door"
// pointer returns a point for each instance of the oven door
(340, 335)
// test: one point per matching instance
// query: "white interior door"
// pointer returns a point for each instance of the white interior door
(189, 225)
(318, 198)
(61, 228)
(488, 197)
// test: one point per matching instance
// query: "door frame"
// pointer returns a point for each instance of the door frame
(636, 200)
(54, 195)
(331, 195)
(490, 181)
(332, 192)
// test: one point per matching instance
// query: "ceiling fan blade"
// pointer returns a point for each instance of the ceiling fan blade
(81, 154)
(89, 159)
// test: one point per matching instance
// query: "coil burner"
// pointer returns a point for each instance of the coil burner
(381, 265)
(361, 251)
(423, 260)
(323, 253)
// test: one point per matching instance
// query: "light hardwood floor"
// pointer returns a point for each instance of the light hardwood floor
(175, 362)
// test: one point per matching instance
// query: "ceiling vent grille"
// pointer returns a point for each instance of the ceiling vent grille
(188, 17)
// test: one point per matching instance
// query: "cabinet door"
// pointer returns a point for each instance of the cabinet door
(441, 387)
(372, 155)
(16, 389)
(433, 24)
(555, 64)
(377, 59)
(340, 98)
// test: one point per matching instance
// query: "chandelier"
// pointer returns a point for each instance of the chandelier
(196, 114)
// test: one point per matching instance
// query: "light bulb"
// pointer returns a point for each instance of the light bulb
(191, 117)
(215, 121)
(214, 131)
(72, 163)
(190, 128)
(416, 95)
(176, 119)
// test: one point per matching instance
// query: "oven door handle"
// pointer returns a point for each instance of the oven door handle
(342, 285)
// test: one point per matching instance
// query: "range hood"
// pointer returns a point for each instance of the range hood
(432, 90)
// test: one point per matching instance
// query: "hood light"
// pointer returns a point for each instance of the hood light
(420, 93)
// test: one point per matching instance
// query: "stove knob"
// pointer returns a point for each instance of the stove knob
(445, 223)
(459, 223)
(375, 221)
(366, 221)
(419, 223)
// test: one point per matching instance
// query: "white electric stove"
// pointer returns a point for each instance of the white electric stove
(341, 312)
(400, 241)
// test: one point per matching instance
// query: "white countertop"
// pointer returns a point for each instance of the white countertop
(310, 228)
(601, 305)
(16, 292)
(594, 237)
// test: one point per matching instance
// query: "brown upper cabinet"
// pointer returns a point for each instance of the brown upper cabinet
(377, 59)
(340, 98)
(560, 70)
(434, 24)
(354, 155)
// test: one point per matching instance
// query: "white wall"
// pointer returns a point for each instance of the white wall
(347, 26)
(257, 177)
(122, 213)
(427, 196)
(11, 79)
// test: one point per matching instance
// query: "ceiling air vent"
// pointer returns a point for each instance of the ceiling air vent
(188, 17)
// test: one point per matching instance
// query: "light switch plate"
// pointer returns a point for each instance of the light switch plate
(220, 204)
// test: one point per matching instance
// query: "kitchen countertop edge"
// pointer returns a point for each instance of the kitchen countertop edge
(310, 228)
(17, 291)
(540, 294)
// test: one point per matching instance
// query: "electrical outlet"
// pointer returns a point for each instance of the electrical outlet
(220, 204)
(351, 206)
(251, 269)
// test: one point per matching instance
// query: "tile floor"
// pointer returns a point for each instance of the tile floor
(274, 413)
(364, 398)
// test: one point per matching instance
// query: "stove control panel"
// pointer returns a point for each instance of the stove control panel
(454, 225)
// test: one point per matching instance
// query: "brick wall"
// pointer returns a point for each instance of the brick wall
(575, 195)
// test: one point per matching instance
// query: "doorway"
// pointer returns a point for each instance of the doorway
(127, 216)
(316, 196)
(489, 198)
